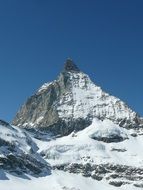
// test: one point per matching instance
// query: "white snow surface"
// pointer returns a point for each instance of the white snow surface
(58, 181)
(105, 129)
(81, 148)
(77, 147)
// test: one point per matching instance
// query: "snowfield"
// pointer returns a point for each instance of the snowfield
(81, 147)
(95, 144)
(58, 181)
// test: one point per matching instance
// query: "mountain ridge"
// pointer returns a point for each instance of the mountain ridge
(73, 96)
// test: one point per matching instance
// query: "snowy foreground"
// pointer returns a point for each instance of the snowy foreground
(87, 146)
(58, 181)
(83, 147)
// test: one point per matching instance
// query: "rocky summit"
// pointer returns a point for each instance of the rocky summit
(71, 135)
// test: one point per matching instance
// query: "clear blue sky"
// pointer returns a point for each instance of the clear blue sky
(104, 38)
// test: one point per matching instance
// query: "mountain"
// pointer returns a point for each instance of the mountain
(71, 135)
(70, 103)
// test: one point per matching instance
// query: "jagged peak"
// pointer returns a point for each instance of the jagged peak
(70, 66)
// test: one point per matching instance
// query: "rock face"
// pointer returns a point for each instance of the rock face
(18, 153)
(116, 175)
(70, 103)
(70, 66)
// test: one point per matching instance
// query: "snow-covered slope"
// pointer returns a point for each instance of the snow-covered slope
(103, 151)
(88, 159)
(58, 181)
(18, 152)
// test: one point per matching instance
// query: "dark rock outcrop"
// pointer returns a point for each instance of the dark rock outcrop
(117, 175)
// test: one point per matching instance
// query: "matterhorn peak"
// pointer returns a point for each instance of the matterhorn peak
(70, 66)
(70, 103)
